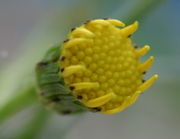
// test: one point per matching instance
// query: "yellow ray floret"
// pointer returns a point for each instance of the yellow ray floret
(99, 22)
(100, 100)
(72, 69)
(84, 85)
(116, 22)
(76, 41)
(146, 65)
(148, 83)
(112, 65)
(115, 110)
(130, 100)
(82, 32)
(142, 51)
(129, 30)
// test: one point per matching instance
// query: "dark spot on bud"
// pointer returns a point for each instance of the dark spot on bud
(71, 87)
(135, 46)
(65, 40)
(73, 29)
(97, 109)
(62, 58)
(105, 18)
(79, 97)
(62, 69)
(56, 99)
(143, 80)
(144, 72)
(66, 112)
(129, 35)
(87, 22)
(42, 64)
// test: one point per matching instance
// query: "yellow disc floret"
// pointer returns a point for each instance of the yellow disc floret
(100, 64)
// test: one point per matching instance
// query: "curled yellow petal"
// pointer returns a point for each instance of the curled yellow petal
(133, 98)
(82, 32)
(72, 69)
(146, 65)
(76, 41)
(116, 22)
(129, 30)
(100, 100)
(142, 51)
(148, 83)
(115, 110)
(84, 85)
(99, 22)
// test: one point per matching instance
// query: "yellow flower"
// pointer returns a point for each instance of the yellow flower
(102, 67)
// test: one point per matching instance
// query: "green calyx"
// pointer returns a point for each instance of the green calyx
(52, 90)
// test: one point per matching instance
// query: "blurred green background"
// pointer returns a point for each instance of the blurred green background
(29, 27)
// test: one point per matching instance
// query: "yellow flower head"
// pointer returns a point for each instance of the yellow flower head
(102, 67)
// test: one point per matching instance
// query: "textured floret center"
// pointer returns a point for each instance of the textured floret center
(109, 60)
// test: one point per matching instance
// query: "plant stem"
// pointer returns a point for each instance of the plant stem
(131, 11)
(15, 104)
(35, 125)
(143, 8)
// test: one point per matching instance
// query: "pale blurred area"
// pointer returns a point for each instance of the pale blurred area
(156, 115)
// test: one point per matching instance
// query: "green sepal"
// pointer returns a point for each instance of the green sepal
(52, 89)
